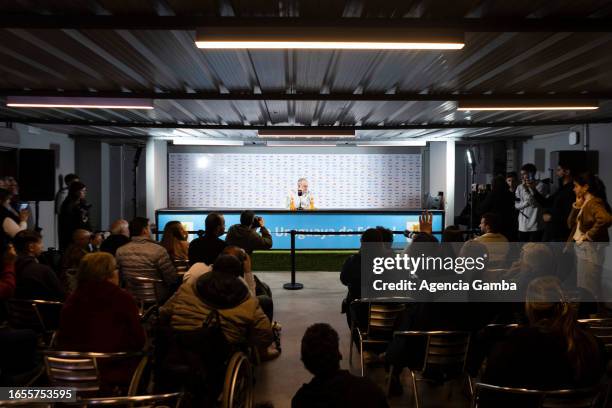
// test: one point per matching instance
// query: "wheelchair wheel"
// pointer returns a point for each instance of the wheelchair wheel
(238, 385)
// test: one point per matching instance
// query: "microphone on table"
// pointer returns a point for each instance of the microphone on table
(299, 192)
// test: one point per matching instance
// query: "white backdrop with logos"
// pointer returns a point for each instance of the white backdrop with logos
(263, 181)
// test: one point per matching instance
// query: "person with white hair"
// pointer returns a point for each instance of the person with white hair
(301, 198)
(120, 235)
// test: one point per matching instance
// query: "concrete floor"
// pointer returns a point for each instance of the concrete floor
(319, 301)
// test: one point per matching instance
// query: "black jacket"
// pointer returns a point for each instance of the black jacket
(559, 206)
(248, 239)
(501, 203)
(342, 390)
(73, 215)
(113, 242)
(36, 281)
(205, 249)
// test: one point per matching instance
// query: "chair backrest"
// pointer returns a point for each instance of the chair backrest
(30, 314)
(143, 289)
(181, 265)
(600, 328)
(487, 395)
(78, 370)
(149, 401)
(382, 318)
(445, 351)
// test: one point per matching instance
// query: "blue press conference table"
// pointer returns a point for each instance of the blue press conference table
(281, 222)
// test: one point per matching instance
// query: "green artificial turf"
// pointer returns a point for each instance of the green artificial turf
(304, 260)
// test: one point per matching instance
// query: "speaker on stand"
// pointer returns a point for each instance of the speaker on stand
(36, 177)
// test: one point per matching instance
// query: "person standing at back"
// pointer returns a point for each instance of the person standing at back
(245, 236)
(74, 213)
(529, 210)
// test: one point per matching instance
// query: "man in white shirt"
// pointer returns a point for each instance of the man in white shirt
(530, 221)
(302, 198)
(496, 243)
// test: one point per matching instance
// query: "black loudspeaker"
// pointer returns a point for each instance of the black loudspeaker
(36, 175)
(578, 161)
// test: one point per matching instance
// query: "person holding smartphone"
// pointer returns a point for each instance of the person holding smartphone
(528, 194)
(10, 221)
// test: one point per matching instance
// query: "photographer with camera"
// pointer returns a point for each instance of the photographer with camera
(245, 235)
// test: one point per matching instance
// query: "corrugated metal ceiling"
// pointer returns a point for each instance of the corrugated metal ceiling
(542, 63)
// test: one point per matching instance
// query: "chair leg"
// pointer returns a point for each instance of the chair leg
(415, 390)
(351, 346)
(361, 357)
(388, 386)
(470, 384)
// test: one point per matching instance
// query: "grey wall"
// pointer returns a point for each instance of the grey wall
(600, 139)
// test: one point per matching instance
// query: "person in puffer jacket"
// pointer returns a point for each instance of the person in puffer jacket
(143, 257)
(242, 319)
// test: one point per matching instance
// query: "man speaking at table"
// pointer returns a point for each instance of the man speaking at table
(302, 198)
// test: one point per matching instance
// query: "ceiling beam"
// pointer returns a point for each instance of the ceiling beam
(153, 125)
(151, 22)
(313, 96)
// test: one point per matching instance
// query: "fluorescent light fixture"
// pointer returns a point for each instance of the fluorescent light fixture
(273, 143)
(527, 105)
(323, 37)
(393, 143)
(206, 142)
(306, 134)
(468, 155)
(81, 103)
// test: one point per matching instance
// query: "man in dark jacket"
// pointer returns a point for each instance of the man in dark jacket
(558, 207)
(208, 247)
(34, 280)
(245, 236)
(120, 235)
(331, 386)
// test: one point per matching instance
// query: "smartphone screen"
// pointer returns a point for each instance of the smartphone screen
(23, 206)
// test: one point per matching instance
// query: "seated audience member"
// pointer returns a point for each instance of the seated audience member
(207, 248)
(11, 222)
(74, 213)
(452, 240)
(120, 235)
(500, 201)
(34, 280)
(95, 242)
(350, 276)
(552, 351)
(18, 347)
(78, 248)
(496, 243)
(256, 287)
(143, 257)
(387, 238)
(242, 319)
(535, 260)
(245, 236)
(175, 241)
(7, 275)
(332, 387)
(101, 317)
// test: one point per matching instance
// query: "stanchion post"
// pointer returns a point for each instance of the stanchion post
(293, 285)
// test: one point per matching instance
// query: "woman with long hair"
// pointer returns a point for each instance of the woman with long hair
(552, 351)
(589, 221)
(175, 241)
